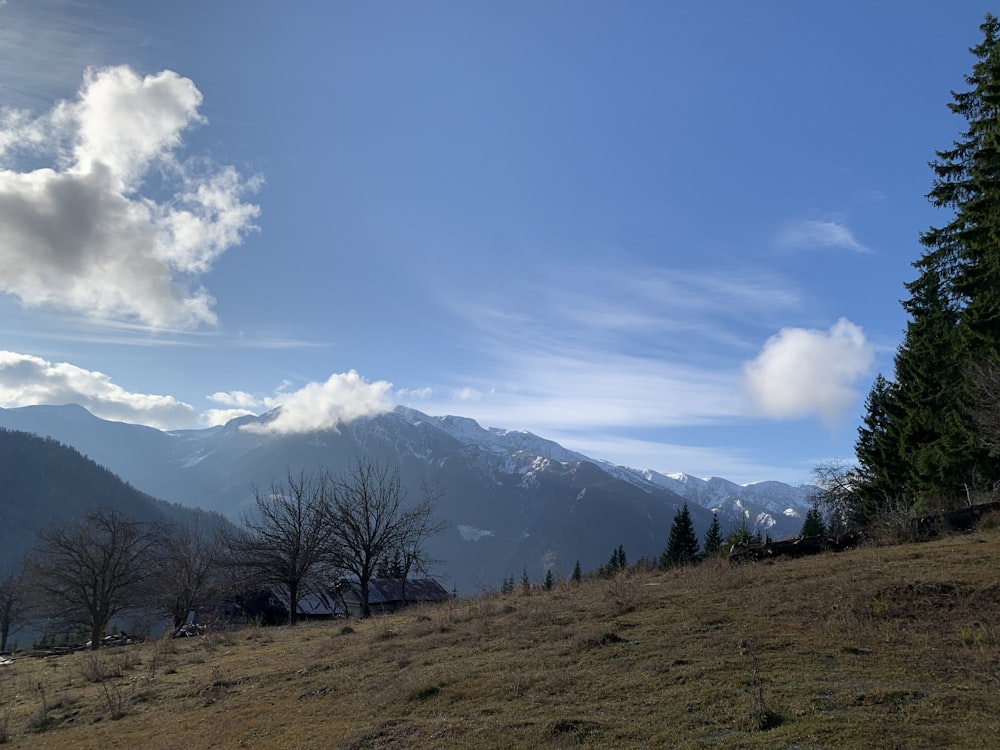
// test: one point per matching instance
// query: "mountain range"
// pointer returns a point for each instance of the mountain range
(511, 501)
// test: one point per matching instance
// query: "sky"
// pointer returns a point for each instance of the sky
(669, 235)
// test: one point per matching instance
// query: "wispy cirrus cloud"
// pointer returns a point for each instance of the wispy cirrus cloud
(609, 347)
(813, 233)
(87, 233)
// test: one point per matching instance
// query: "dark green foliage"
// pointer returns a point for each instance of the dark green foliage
(525, 582)
(742, 535)
(390, 566)
(577, 573)
(507, 587)
(813, 524)
(44, 481)
(682, 547)
(713, 538)
(549, 581)
(882, 472)
(921, 443)
(617, 563)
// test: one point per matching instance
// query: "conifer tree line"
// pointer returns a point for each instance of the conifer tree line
(930, 437)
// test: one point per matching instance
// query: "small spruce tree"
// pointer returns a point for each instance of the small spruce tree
(525, 582)
(713, 538)
(682, 547)
(813, 525)
(549, 580)
(577, 573)
(508, 585)
(742, 535)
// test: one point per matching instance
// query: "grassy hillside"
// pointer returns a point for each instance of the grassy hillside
(894, 647)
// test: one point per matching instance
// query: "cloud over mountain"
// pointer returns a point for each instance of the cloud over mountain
(342, 398)
(26, 380)
(99, 212)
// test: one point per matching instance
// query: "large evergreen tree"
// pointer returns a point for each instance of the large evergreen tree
(682, 547)
(920, 441)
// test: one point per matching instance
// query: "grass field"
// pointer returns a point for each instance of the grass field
(879, 647)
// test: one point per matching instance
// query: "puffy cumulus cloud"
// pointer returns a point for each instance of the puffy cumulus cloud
(26, 380)
(813, 233)
(341, 399)
(467, 394)
(81, 234)
(801, 372)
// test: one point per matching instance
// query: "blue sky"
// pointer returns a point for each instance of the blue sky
(670, 235)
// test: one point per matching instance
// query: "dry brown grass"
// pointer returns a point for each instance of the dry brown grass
(894, 647)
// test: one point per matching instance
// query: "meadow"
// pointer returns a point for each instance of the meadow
(877, 647)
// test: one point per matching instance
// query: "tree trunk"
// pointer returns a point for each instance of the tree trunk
(293, 602)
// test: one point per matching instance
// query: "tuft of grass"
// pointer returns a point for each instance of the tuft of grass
(422, 694)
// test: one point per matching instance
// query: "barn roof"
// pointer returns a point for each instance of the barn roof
(319, 603)
(390, 590)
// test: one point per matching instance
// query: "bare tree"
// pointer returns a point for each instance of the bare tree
(87, 572)
(188, 564)
(12, 604)
(837, 496)
(413, 552)
(370, 522)
(285, 540)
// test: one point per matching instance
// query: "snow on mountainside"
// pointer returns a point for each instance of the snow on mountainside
(768, 504)
(510, 499)
(469, 432)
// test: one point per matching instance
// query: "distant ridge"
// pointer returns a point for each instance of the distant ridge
(511, 500)
(43, 481)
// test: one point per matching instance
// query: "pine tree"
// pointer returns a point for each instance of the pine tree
(742, 535)
(963, 257)
(620, 560)
(549, 581)
(525, 582)
(508, 585)
(577, 572)
(931, 421)
(921, 442)
(813, 524)
(882, 474)
(713, 537)
(682, 547)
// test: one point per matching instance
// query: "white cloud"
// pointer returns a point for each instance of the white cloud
(815, 233)
(240, 399)
(342, 398)
(467, 394)
(802, 372)
(215, 417)
(81, 235)
(26, 380)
